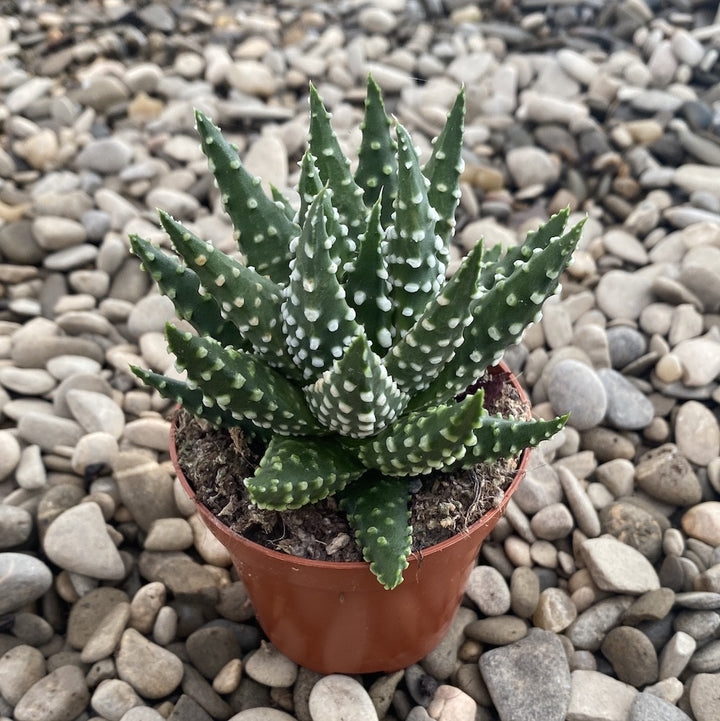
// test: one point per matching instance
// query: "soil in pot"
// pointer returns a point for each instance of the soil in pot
(216, 460)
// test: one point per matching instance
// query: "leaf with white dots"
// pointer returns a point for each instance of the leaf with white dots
(241, 384)
(498, 437)
(500, 316)
(415, 361)
(334, 169)
(443, 170)
(367, 286)
(377, 510)
(182, 286)
(356, 397)
(416, 272)
(423, 441)
(297, 471)
(262, 228)
(249, 300)
(376, 173)
(191, 399)
(317, 321)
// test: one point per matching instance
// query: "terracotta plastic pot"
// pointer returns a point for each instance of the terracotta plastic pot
(335, 617)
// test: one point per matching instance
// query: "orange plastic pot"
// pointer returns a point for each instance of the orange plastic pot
(335, 617)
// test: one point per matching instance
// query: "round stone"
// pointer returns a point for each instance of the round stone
(617, 567)
(625, 344)
(20, 668)
(487, 588)
(555, 610)
(634, 526)
(10, 453)
(212, 647)
(340, 697)
(703, 522)
(697, 433)
(524, 591)
(270, 667)
(575, 388)
(530, 166)
(154, 672)
(627, 407)
(78, 541)
(552, 522)
(621, 294)
(23, 579)
(62, 695)
(497, 630)
(631, 655)
(704, 698)
(665, 473)
(16, 525)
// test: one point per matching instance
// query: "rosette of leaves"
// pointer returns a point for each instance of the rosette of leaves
(338, 340)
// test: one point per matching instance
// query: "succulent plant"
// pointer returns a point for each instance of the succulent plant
(339, 341)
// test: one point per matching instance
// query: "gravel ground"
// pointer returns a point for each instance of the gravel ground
(598, 596)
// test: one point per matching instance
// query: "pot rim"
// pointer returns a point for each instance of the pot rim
(488, 518)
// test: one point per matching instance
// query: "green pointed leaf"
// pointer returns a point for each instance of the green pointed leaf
(501, 315)
(309, 185)
(416, 273)
(239, 383)
(191, 399)
(334, 169)
(378, 511)
(182, 286)
(498, 437)
(500, 266)
(376, 173)
(415, 361)
(249, 300)
(367, 286)
(283, 203)
(443, 170)
(317, 321)
(423, 441)
(297, 471)
(262, 229)
(356, 397)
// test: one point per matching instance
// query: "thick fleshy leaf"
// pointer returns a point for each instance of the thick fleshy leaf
(356, 397)
(498, 437)
(191, 399)
(503, 265)
(415, 360)
(297, 471)
(424, 441)
(249, 300)
(334, 169)
(501, 315)
(309, 185)
(367, 286)
(262, 228)
(242, 384)
(376, 173)
(416, 272)
(377, 509)
(282, 202)
(443, 170)
(317, 321)
(182, 286)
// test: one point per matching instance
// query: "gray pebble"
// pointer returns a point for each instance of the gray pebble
(631, 655)
(24, 579)
(538, 665)
(489, 591)
(627, 407)
(575, 388)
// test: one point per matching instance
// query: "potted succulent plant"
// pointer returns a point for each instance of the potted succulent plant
(347, 373)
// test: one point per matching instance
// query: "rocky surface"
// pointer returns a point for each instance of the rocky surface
(598, 595)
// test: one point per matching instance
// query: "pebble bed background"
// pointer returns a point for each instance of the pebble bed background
(598, 596)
